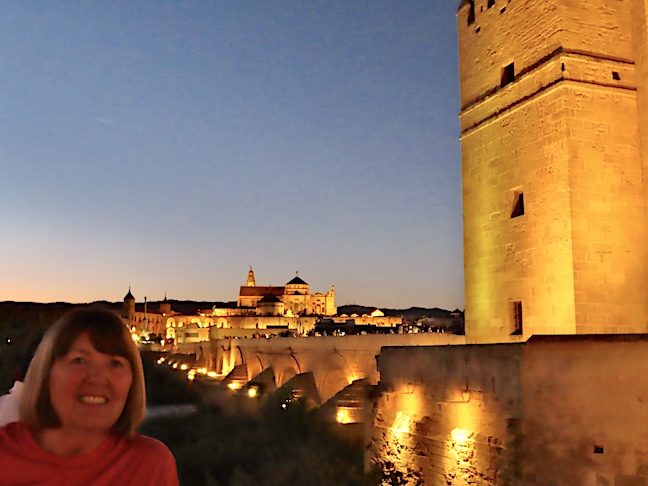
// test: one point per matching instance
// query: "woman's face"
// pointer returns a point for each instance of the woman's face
(88, 389)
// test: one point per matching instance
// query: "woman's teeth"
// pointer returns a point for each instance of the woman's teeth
(93, 399)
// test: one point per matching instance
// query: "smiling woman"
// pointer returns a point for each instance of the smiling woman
(84, 397)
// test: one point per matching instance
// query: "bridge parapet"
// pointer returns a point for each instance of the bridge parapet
(334, 361)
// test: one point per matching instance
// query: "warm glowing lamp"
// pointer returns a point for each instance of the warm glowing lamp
(461, 436)
(342, 416)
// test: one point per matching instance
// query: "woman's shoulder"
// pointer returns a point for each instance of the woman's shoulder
(16, 437)
(148, 445)
(156, 459)
(13, 432)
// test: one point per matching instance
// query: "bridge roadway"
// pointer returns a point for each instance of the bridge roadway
(334, 361)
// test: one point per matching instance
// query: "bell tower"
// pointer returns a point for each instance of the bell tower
(553, 101)
(128, 307)
(250, 278)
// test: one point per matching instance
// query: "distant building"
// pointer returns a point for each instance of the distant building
(375, 318)
(145, 323)
(295, 296)
(259, 308)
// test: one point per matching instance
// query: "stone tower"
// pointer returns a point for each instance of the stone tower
(250, 278)
(128, 307)
(554, 127)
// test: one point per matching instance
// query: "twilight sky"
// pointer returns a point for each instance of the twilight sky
(168, 145)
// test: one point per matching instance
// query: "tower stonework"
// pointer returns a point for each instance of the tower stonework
(554, 133)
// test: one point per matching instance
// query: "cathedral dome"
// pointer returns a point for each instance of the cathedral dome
(296, 280)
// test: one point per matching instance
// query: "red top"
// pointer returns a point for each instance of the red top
(137, 460)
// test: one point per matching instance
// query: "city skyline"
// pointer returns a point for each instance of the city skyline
(168, 146)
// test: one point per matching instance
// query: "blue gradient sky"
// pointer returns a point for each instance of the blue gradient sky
(169, 145)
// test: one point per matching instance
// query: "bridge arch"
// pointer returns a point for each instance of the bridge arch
(292, 355)
(285, 375)
(255, 366)
(331, 382)
(239, 358)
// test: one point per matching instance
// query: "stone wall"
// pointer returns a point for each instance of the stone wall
(560, 410)
(639, 19)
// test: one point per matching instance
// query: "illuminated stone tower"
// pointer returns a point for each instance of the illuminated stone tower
(128, 308)
(250, 278)
(554, 127)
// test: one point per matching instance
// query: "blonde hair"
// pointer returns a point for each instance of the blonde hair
(108, 335)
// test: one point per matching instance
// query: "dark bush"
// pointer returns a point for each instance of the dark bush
(166, 386)
(277, 448)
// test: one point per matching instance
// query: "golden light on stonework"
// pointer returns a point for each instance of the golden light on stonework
(343, 416)
(461, 436)
(202, 371)
(409, 406)
(465, 413)
(212, 374)
(184, 367)
(233, 386)
(253, 391)
(191, 376)
(402, 423)
(405, 407)
(351, 377)
(463, 445)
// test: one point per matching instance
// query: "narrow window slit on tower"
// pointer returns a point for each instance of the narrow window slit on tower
(518, 205)
(508, 74)
(491, 3)
(598, 449)
(562, 67)
(616, 76)
(517, 318)
(502, 10)
(477, 30)
(471, 12)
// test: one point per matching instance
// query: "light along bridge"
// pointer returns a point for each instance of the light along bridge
(327, 371)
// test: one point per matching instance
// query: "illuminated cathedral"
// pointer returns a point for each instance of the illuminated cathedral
(258, 308)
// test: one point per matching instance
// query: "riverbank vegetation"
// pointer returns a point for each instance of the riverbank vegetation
(279, 448)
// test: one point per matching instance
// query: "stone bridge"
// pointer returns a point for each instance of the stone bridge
(329, 363)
